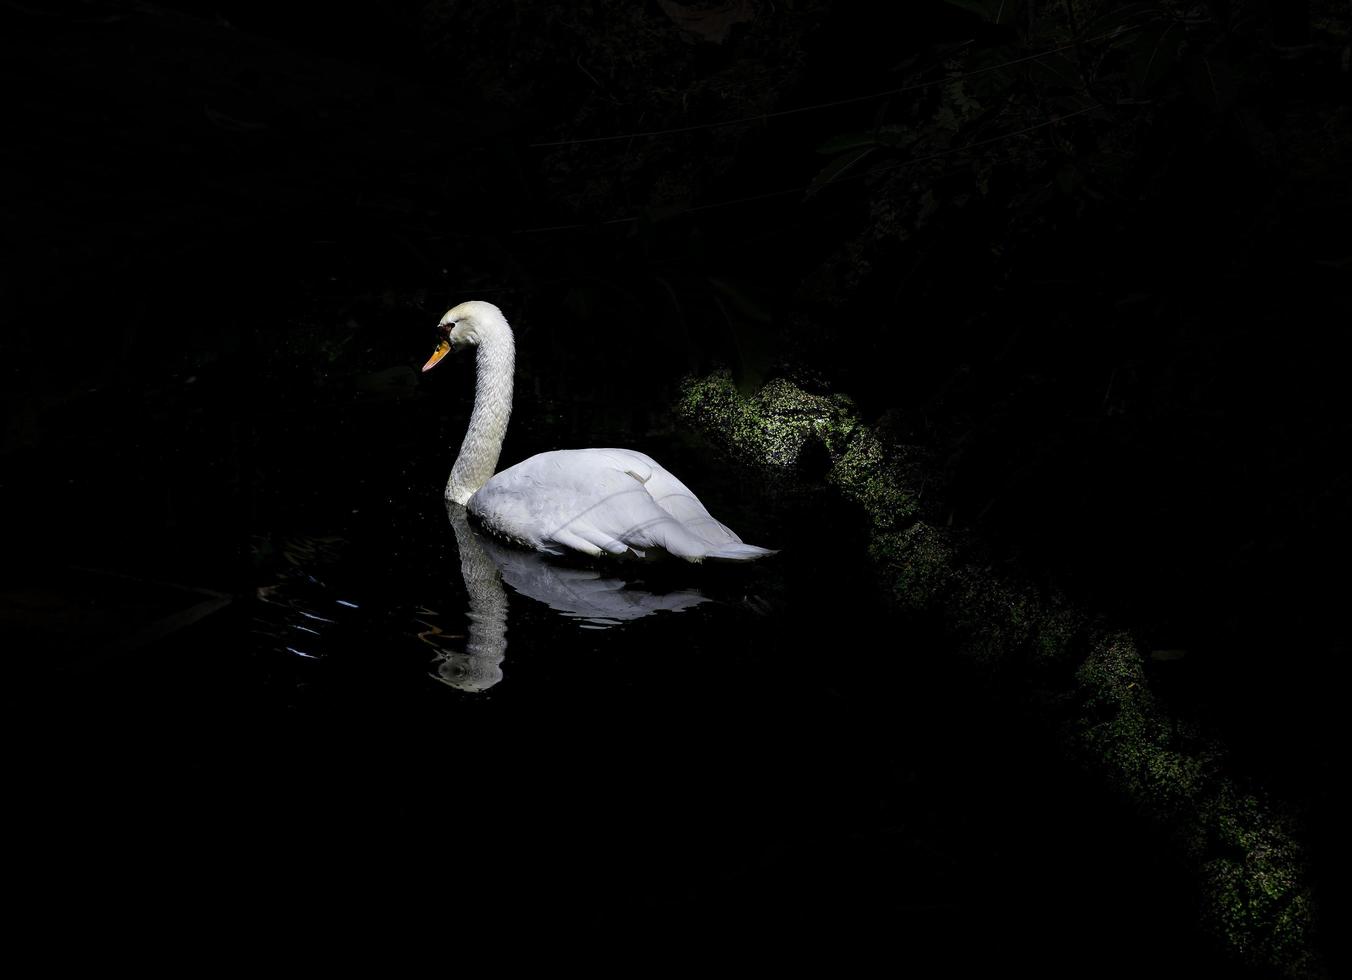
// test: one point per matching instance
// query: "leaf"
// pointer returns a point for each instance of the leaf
(882, 136)
(750, 322)
(1166, 655)
(1060, 68)
(230, 123)
(964, 107)
(836, 167)
(744, 299)
(711, 24)
(1216, 85)
(1154, 54)
(847, 141)
(1126, 16)
(994, 11)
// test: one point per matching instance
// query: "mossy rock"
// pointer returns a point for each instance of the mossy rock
(1246, 853)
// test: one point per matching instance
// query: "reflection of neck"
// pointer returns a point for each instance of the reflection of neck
(478, 457)
(479, 667)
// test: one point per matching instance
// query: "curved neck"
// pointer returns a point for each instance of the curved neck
(478, 458)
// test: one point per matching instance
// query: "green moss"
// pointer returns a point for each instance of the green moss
(772, 428)
(1165, 771)
(1247, 856)
(918, 565)
(866, 473)
(994, 620)
(1262, 910)
(1057, 637)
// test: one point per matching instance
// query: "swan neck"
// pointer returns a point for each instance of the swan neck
(478, 459)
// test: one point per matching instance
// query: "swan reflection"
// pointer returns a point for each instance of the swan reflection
(586, 595)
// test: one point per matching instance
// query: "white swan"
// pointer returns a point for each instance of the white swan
(593, 501)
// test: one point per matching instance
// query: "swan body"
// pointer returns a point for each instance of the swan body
(600, 501)
(590, 501)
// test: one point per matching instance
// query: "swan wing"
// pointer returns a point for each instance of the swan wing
(678, 500)
(600, 501)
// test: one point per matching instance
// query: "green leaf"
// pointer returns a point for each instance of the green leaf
(836, 167)
(1154, 54)
(994, 11)
(1129, 15)
(1216, 85)
(1166, 655)
(744, 298)
(888, 135)
(749, 317)
(847, 141)
(894, 136)
(1059, 68)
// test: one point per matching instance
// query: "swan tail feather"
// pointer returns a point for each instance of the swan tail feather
(592, 540)
(740, 552)
(681, 541)
(569, 539)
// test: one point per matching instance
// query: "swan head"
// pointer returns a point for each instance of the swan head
(468, 325)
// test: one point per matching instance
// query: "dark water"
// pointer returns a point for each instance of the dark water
(783, 759)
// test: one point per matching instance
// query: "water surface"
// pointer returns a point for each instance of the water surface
(398, 719)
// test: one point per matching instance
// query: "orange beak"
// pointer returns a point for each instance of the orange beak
(442, 350)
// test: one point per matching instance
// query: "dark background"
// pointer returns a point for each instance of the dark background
(1106, 288)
